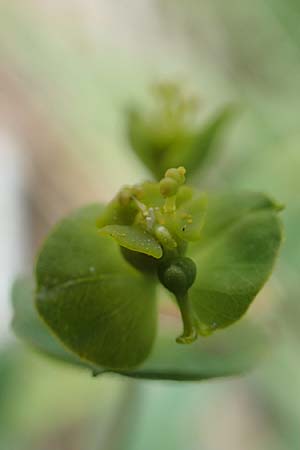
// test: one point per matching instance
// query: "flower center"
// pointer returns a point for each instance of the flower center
(159, 219)
(153, 222)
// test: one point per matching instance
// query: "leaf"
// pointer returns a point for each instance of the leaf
(232, 352)
(234, 257)
(204, 144)
(134, 238)
(100, 307)
(141, 139)
(192, 149)
(28, 326)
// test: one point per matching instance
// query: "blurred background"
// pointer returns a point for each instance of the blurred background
(68, 71)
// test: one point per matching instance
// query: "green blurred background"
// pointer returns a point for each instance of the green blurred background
(68, 71)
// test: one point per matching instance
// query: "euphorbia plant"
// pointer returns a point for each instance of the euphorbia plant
(97, 273)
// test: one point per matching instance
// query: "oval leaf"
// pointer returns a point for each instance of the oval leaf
(100, 307)
(234, 256)
(28, 326)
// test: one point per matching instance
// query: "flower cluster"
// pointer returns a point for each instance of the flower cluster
(157, 220)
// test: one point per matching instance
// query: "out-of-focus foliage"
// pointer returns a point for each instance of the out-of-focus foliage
(169, 136)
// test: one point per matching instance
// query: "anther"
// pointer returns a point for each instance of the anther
(177, 174)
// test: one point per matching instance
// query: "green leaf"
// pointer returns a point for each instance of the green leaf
(188, 148)
(234, 257)
(232, 352)
(142, 140)
(204, 145)
(134, 238)
(29, 327)
(99, 306)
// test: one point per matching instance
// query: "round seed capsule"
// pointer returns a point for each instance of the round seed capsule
(177, 275)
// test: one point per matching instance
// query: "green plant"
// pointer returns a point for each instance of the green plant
(97, 274)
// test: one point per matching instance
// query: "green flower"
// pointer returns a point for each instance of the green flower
(169, 134)
(98, 271)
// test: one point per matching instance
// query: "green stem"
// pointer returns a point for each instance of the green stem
(189, 330)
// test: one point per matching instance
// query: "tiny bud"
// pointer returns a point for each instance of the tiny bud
(182, 171)
(177, 174)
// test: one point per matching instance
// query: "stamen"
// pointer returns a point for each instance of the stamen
(169, 185)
